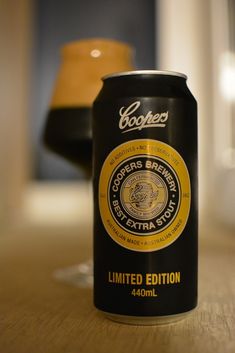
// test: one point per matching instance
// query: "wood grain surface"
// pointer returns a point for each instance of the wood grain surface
(40, 315)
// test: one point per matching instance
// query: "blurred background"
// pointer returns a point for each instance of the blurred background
(195, 37)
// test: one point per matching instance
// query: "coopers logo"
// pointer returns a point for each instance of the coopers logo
(130, 120)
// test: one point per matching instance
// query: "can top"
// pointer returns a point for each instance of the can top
(145, 72)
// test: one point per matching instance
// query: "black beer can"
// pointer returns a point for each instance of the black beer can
(145, 197)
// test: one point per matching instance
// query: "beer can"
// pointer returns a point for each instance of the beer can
(145, 197)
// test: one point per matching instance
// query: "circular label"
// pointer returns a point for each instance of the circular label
(144, 195)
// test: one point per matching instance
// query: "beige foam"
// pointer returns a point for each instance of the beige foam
(83, 64)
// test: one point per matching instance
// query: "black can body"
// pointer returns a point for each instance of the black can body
(145, 196)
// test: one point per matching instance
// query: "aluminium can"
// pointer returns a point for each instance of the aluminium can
(145, 197)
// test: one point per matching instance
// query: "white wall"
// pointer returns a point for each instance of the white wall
(184, 44)
(15, 39)
(197, 38)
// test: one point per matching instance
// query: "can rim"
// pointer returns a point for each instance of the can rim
(145, 72)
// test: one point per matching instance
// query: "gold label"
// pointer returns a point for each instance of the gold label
(144, 195)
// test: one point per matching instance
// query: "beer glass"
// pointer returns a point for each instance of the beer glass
(68, 130)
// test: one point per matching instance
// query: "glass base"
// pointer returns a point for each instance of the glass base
(80, 275)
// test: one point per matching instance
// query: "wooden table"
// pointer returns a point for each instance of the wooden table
(40, 315)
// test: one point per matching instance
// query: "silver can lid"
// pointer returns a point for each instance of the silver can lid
(145, 72)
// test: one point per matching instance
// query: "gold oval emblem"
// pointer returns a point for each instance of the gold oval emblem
(144, 195)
